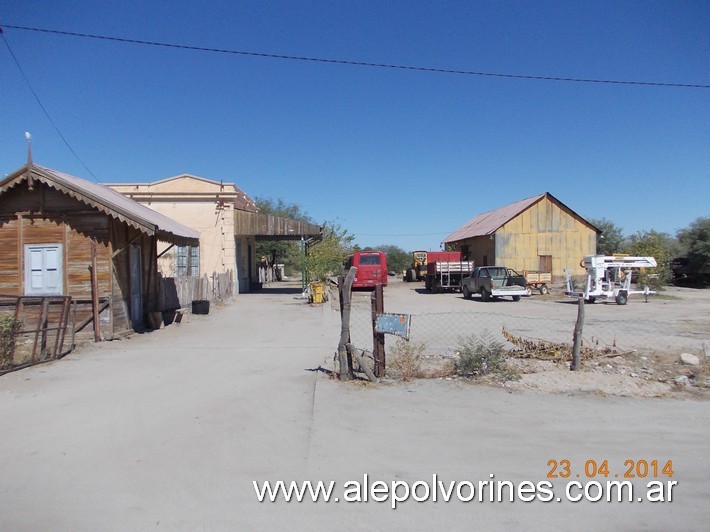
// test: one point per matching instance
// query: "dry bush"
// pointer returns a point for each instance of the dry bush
(483, 356)
(405, 360)
(10, 329)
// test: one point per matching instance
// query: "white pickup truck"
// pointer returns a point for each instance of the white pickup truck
(494, 281)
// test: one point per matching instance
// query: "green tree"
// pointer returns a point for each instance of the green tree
(611, 240)
(695, 242)
(660, 246)
(287, 252)
(326, 257)
(397, 259)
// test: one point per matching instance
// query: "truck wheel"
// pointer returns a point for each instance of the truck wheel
(466, 292)
(622, 297)
(544, 290)
(485, 295)
(516, 298)
(528, 291)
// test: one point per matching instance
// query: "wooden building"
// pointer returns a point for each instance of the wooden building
(60, 234)
(537, 233)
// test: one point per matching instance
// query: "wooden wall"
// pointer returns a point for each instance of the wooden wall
(47, 216)
(546, 228)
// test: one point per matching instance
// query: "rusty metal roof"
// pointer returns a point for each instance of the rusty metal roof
(487, 223)
(109, 202)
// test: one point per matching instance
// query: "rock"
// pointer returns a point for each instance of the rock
(687, 358)
(682, 380)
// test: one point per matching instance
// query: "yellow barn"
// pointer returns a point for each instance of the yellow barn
(539, 233)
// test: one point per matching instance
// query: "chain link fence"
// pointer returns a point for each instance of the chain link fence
(441, 332)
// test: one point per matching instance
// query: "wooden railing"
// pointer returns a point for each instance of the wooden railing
(44, 323)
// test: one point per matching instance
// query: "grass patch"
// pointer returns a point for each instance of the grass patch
(665, 297)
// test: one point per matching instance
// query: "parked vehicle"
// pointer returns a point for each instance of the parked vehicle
(371, 268)
(421, 260)
(417, 269)
(536, 280)
(684, 272)
(610, 277)
(447, 274)
(494, 281)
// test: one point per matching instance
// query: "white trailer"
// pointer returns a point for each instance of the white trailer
(610, 277)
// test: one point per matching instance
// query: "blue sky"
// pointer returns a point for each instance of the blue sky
(395, 156)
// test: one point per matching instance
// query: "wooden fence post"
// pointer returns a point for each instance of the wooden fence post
(341, 298)
(344, 371)
(579, 326)
(378, 339)
(44, 327)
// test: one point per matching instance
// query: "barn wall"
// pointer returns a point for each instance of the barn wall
(546, 228)
(480, 248)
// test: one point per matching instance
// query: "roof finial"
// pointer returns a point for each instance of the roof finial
(28, 137)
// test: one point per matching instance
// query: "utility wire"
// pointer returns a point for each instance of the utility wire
(44, 109)
(402, 234)
(358, 63)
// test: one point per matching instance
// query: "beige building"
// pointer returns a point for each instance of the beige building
(208, 207)
(228, 223)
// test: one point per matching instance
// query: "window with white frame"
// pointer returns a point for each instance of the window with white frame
(43, 270)
(188, 261)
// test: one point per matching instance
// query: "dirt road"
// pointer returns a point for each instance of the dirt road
(168, 430)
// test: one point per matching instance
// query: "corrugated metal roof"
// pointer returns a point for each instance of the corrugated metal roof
(109, 202)
(489, 222)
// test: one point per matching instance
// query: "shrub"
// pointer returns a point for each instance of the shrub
(10, 329)
(480, 356)
(405, 360)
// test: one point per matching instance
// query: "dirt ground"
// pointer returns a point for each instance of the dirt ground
(655, 371)
(170, 429)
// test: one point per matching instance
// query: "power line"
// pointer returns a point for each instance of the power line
(44, 109)
(402, 234)
(359, 63)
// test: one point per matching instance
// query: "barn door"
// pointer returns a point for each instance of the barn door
(136, 281)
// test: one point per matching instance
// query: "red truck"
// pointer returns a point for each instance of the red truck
(445, 271)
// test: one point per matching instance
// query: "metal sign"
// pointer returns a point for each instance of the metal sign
(397, 324)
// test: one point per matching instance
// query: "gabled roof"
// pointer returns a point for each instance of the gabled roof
(107, 201)
(186, 186)
(489, 222)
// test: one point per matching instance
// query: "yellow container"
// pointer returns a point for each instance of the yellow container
(317, 292)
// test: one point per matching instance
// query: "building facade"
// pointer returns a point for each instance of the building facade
(61, 235)
(208, 207)
(538, 233)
